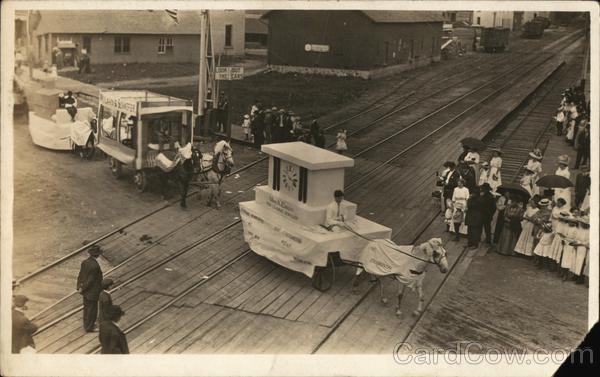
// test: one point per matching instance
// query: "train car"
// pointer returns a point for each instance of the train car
(533, 29)
(494, 39)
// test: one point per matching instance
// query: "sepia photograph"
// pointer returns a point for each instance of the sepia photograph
(263, 185)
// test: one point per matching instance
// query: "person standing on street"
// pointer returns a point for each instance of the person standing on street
(258, 127)
(474, 219)
(112, 338)
(488, 208)
(582, 185)
(22, 328)
(340, 145)
(223, 112)
(89, 285)
(104, 300)
(583, 147)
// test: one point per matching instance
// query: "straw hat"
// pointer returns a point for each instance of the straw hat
(537, 154)
(544, 202)
(497, 150)
(485, 164)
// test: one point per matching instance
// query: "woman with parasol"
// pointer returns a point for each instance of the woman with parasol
(495, 177)
(513, 214)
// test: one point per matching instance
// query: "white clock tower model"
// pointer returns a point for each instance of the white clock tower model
(284, 222)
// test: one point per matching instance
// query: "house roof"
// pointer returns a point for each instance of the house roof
(393, 16)
(119, 22)
(383, 16)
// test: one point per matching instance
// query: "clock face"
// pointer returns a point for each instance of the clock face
(289, 176)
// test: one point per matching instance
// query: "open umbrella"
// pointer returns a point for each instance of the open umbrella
(473, 143)
(554, 181)
(514, 189)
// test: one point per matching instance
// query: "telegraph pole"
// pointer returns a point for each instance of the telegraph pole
(206, 80)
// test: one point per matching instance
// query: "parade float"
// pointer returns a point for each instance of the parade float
(285, 221)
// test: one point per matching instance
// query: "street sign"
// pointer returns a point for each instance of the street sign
(229, 73)
(316, 48)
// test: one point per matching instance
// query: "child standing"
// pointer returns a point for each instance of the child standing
(341, 146)
(246, 126)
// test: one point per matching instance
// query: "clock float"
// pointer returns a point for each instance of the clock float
(283, 223)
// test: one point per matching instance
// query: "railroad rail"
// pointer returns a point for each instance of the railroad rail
(374, 105)
(354, 184)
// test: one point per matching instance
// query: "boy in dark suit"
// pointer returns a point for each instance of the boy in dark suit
(112, 338)
(22, 328)
(89, 285)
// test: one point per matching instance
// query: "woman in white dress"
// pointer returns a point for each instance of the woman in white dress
(525, 242)
(484, 173)
(543, 223)
(495, 178)
(581, 244)
(568, 254)
(534, 164)
(563, 171)
(340, 145)
(559, 227)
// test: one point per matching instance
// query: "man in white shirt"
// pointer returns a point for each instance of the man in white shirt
(335, 214)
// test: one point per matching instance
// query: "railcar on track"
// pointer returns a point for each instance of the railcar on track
(494, 39)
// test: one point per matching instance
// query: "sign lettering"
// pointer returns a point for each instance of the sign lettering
(229, 73)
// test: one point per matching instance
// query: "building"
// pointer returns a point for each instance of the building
(351, 41)
(135, 36)
(256, 29)
(493, 19)
(458, 17)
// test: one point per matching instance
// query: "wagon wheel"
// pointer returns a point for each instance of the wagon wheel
(141, 180)
(116, 167)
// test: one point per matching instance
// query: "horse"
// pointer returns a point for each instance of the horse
(212, 168)
(185, 163)
(420, 256)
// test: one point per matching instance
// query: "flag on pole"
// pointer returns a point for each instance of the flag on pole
(173, 14)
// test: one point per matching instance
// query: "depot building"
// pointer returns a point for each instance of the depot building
(359, 43)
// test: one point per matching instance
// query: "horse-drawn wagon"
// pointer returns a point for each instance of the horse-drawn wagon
(143, 131)
(286, 222)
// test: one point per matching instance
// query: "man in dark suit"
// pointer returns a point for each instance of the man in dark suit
(488, 206)
(89, 284)
(22, 328)
(112, 338)
(474, 218)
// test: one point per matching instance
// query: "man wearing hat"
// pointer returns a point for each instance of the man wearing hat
(22, 328)
(450, 180)
(268, 125)
(488, 208)
(104, 300)
(89, 285)
(112, 338)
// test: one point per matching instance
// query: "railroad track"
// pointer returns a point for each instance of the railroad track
(237, 258)
(391, 106)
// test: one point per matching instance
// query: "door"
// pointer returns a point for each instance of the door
(386, 52)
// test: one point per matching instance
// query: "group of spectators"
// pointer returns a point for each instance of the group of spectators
(540, 224)
(573, 119)
(273, 125)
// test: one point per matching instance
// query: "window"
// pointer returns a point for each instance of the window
(478, 20)
(121, 44)
(87, 44)
(422, 44)
(165, 45)
(228, 31)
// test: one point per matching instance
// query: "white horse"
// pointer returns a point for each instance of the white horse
(213, 168)
(415, 262)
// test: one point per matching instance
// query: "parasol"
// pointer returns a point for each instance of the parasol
(473, 143)
(554, 181)
(515, 189)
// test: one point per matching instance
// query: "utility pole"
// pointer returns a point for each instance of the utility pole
(206, 80)
(29, 48)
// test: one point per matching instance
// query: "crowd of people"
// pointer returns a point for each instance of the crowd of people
(543, 224)
(273, 125)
